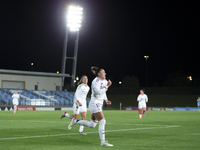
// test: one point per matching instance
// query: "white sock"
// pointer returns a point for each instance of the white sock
(67, 115)
(15, 108)
(140, 115)
(102, 123)
(86, 123)
(81, 128)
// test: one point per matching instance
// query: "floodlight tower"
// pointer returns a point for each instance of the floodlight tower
(146, 57)
(74, 17)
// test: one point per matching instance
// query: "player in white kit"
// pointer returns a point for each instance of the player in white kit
(80, 105)
(15, 97)
(142, 100)
(99, 87)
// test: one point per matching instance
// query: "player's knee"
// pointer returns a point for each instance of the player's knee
(93, 123)
(83, 117)
(102, 121)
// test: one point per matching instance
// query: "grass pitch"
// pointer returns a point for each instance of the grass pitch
(158, 130)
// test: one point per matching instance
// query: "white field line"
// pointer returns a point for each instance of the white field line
(192, 134)
(39, 136)
(69, 122)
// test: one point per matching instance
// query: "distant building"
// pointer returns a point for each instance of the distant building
(29, 80)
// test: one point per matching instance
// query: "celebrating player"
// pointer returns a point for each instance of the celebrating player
(80, 105)
(142, 100)
(15, 97)
(99, 87)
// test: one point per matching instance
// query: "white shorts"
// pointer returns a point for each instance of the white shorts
(95, 107)
(15, 102)
(142, 105)
(79, 109)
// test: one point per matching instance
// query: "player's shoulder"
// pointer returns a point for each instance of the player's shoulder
(80, 85)
(96, 80)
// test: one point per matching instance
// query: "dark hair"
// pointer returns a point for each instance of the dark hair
(143, 90)
(95, 70)
(81, 80)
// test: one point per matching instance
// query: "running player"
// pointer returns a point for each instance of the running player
(99, 87)
(15, 97)
(80, 105)
(142, 100)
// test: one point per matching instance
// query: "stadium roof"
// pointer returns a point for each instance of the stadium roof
(33, 73)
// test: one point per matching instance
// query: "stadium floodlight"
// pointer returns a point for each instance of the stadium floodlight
(74, 18)
(190, 78)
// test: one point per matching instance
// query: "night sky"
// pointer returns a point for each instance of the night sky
(115, 35)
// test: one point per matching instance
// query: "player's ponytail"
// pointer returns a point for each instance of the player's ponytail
(81, 80)
(95, 70)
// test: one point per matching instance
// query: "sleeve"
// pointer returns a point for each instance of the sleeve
(13, 96)
(96, 88)
(138, 98)
(146, 99)
(77, 93)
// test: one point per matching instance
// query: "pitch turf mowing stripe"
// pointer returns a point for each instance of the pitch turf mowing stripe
(69, 122)
(12, 138)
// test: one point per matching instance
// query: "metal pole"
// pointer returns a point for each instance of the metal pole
(146, 74)
(64, 57)
(75, 60)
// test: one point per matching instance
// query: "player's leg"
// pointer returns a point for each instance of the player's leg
(144, 109)
(86, 123)
(100, 117)
(65, 114)
(144, 105)
(83, 116)
(140, 110)
(15, 108)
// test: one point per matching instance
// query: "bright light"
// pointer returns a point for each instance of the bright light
(74, 81)
(146, 57)
(57, 72)
(31, 64)
(190, 78)
(120, 82)
(74, 18)
(77, 78)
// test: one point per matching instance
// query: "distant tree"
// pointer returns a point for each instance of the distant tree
(179, 81)
(155, 84)
(196, 82)
(130, 81)
(176, 79)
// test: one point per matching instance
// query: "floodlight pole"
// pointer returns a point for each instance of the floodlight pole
(64, 56)
(75, 60)
(146, 73)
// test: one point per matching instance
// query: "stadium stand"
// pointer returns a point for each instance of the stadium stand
(38, 97)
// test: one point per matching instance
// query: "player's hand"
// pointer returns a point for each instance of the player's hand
(109, 83)
(80, 104)
(108, 102)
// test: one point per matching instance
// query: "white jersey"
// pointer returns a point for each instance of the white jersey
(81, 93)
(15, 98)
(99, 90)
(142, 98)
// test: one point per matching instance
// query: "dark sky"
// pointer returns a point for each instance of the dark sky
(115, 35)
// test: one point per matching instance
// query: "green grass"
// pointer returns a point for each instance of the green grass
(158, 130)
